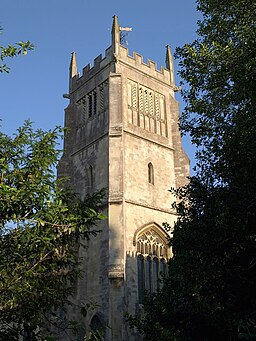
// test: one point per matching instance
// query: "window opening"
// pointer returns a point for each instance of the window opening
(95, 323)
(148, 274)
(98, 328)
(95, 102)
(150, 264)
(101, 98)
(141, 288)
(90, 105)
(150, 173)
(90, 177)
(155, 273)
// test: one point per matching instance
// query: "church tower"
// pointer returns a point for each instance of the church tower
(123, 135)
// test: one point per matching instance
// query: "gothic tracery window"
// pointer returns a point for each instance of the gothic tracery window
(152, 256)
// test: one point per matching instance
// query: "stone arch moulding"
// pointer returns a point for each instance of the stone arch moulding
(157, 229)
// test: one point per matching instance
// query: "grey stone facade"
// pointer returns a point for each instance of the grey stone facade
(123, 136)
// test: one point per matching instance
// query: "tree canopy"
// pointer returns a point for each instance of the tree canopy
(209, 293)
(42, 226)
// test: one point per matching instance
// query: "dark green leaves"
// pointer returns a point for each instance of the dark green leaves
(42, 224)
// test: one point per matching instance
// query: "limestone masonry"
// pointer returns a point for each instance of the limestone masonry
(123, 136)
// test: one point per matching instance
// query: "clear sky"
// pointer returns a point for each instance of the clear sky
(36, 83)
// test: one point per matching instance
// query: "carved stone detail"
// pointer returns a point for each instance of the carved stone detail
(115, 271)
(115, 131)
(115, 197)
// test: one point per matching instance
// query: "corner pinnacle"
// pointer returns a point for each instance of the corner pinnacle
(73, 66)
(169, 62)
(115, 35)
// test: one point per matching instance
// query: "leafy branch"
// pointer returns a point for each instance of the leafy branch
(11, 51)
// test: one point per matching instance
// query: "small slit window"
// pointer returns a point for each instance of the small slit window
(150, 173)
(90, 177)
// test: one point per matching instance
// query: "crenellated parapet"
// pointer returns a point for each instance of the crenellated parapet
(90, 71)
(118, 54)
(149, 67)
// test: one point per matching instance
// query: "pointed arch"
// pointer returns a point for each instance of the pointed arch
(154, 227)
(153, 252)
(98, 324)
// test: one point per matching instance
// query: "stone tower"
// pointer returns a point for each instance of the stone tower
(123, 136)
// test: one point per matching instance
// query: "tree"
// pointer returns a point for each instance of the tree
(42, 226)
(10, 51)
(209, 293)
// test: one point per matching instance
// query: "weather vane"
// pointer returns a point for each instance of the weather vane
(123, 34)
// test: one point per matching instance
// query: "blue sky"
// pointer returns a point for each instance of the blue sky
(37, 81)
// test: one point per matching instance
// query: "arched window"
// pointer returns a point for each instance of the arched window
(96, 323)
(152, 256)
(97, 327)
(150, 173)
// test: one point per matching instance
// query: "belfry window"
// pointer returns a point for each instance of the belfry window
(152, 256)
(150, 173)
(90, 104)
(95, 102)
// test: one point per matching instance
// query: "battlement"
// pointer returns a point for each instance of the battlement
(118, 53)
(98, 64)
(90, 71)
(135, 61)
(150, 67)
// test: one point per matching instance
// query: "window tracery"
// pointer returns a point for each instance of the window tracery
(152, 256)
(146, 108)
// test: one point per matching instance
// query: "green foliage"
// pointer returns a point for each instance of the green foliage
(10, 51)
(220, 69)
(209, 293)
(42, 225)
(94, 336)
